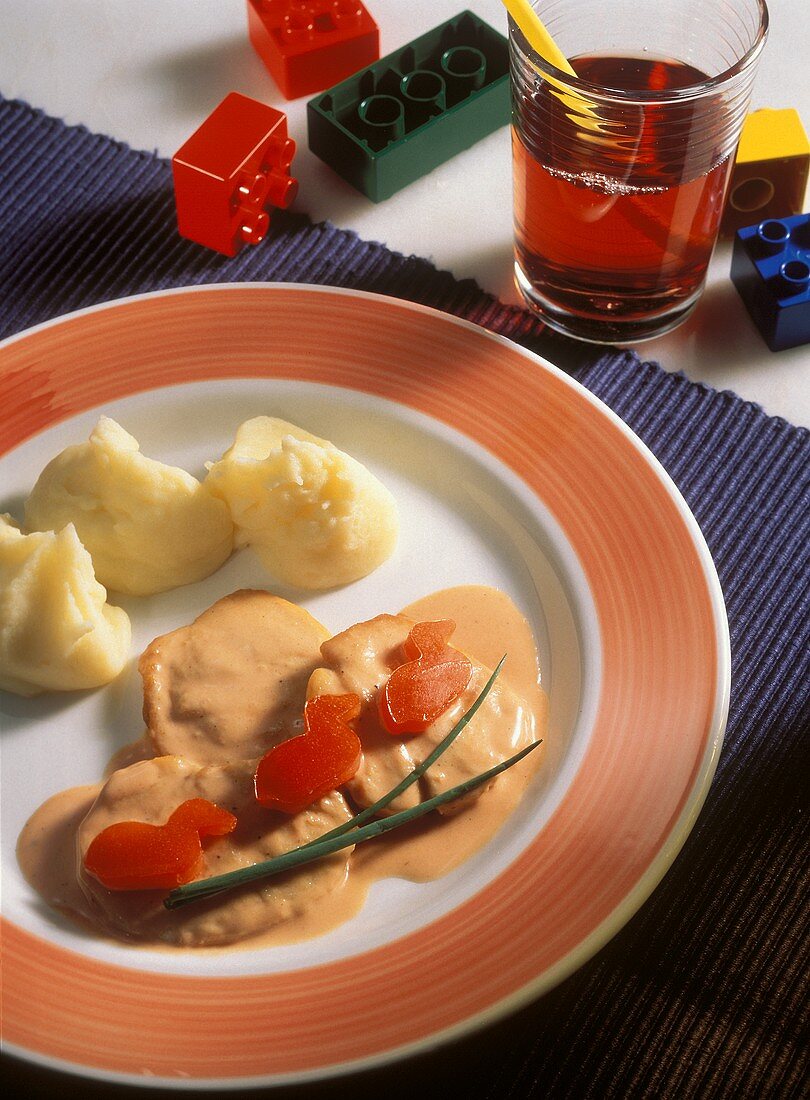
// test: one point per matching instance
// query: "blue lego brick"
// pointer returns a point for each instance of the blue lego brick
(770, 267)
(395, 121)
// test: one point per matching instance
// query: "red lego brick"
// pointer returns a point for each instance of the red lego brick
(235, 166)
(309, 45)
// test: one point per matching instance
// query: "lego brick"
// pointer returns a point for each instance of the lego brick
(770, 173)
(397, 120)
(307, 45)
(230, 172)
(770, 267)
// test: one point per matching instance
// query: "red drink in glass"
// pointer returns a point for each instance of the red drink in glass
(620, 175)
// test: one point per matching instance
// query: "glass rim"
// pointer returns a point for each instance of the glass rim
(673, 95)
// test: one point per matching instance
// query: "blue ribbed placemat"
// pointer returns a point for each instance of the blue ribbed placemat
(703, 994)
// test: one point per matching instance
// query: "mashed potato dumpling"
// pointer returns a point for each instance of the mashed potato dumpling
(256, 438)
(57, 631)
(316, 517)
(148, 526)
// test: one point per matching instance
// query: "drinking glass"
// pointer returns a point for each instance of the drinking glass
(621, 172)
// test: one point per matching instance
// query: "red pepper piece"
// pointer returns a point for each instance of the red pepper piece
(298, 772)
(433, 677)
(132, 855)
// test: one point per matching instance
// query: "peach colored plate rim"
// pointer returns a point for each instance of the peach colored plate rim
(557, 392)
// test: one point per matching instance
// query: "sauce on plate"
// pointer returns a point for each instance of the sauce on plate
(320, 896)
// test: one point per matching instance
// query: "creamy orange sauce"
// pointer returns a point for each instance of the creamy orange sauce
(46, 850)
(487, 625)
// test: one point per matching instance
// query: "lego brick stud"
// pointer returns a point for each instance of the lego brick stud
(423, 96)
(398, 119)
(771, 170)
(230, 171)
(464, 69)
(770, 267)
(306, 45)
(382, 118)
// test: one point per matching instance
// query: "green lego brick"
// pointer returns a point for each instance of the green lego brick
(397, 120)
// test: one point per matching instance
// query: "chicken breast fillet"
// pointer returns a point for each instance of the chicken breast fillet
(360, 660)
(231, 684)
(150, 791)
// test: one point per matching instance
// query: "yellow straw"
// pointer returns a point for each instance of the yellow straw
(542, 43)
(536, 34)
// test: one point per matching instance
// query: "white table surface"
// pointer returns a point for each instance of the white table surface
(148, 73)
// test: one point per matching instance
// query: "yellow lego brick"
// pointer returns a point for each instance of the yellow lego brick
(771, 170)
(769, 135)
